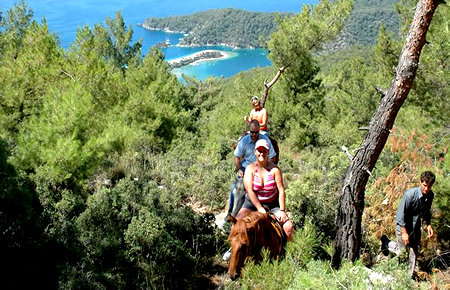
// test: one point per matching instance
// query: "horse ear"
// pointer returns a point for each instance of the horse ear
(233, 220)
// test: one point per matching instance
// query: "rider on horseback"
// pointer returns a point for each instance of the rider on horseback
(263, 183)
(244, 154)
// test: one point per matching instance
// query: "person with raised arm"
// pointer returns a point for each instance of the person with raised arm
(258, 113)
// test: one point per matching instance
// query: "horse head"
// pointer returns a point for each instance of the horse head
(247, 237)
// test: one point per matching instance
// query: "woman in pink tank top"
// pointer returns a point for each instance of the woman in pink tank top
(263, 183)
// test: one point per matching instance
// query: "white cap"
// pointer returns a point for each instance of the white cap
(262, 143)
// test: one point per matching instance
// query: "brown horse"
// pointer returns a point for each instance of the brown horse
(248, 236)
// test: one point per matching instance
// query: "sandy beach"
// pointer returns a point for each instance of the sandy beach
(193, 56)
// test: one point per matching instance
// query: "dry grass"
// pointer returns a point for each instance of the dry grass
(414, 152)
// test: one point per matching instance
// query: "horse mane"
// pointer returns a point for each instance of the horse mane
(253, 216)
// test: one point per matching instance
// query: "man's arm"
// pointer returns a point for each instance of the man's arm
(430, 231)
(237, 163)
(427, 214)
(400, 218)
(405, 236)
(272, 154)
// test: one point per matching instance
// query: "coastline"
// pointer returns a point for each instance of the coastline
(195, 45)
(164, 30)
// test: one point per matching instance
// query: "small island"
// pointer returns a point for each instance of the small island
(204, 55)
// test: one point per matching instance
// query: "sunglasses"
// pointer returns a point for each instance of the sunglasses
(254, 132)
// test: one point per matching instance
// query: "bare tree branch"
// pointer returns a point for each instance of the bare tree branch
(267, 86)
(380, 91)
(350, 157)
(67, 74)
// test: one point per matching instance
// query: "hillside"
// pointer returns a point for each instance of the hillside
(232, 27)
(364, 22)
(239, 28)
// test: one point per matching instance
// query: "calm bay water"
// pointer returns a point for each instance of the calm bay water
(64, 17)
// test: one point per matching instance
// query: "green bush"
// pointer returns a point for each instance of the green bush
(135, 226)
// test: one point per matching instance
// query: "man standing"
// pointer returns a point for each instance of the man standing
(244, 154)
(415, 206)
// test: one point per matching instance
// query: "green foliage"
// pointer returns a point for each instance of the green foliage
(295, 120)
(26, 74)
(434, 256)
(319, 274)
(299, 270)
(303, 192)
(386, 53)
(292, 46)
(16, 201)
(55, 139)
(113, 42)
(74, 118)
(269, 274)
(365, 21)
(348, 83)
(188, 172)
(23, 239)
(15, 25)
(295, 40)
(406, 14)
(139, 226)
(304, 247)
(432, 82)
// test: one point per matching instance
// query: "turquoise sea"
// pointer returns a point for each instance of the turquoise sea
(64, 17)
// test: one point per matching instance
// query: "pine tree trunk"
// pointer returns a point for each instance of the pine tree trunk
(351, 203)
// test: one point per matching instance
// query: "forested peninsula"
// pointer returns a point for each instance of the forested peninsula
(230, 27)
(244, 29)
